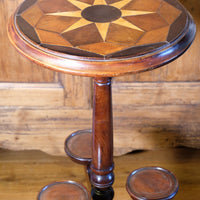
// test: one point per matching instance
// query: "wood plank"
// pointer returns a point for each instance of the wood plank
(163, 93)
(156, 127)
(13, 66)
(31, 94)
(136, 127)
(24, 173)
(78, 91)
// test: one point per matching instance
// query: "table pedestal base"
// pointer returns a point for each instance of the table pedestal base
(94, 149)
(102, 194)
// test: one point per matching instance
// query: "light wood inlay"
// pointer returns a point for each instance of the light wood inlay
(79, 4)
(99, 2)
(123, 22)
(133, 13)
(82, 22)
(103, 29)
(67, 16)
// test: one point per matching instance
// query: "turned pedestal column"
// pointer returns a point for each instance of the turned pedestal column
(102, 176)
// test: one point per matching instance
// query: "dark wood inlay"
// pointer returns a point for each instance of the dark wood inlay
(112, 1)
(104, 28)
(143, 26)
(25, 5)
(177, 27)
(137, 50)
(70, 51)
(87, 1)
(101, 13)
(27, 29)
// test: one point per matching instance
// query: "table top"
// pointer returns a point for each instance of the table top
(101, 37)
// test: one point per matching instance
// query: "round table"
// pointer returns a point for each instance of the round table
(101, 39)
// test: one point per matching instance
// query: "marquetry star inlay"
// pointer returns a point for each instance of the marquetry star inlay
(97, 27)
(102, 26)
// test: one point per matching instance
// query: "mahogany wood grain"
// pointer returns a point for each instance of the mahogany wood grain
(152, 183)
(76, 60)
(65, 190)
(78, 146)
(102, 150)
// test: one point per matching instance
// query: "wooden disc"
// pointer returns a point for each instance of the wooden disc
(152, 183)
(65, 190)
(78, 146)
(101, 37)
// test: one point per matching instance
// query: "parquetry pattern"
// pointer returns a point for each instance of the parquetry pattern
(99, 27)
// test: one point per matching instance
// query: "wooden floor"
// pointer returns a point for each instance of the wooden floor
(23, 173)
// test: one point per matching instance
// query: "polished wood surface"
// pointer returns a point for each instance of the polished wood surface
(99, 27)
(64, 190)
(152, 183)
(102, 139)
(85, 34)
(184, 69)
(23, 173)
(78, 146)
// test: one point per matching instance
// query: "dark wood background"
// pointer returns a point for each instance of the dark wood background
(39, 108)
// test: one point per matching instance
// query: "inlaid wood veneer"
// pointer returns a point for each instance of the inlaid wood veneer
(99, 25)
(121, 32)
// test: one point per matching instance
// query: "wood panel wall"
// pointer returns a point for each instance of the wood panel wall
(40, 108)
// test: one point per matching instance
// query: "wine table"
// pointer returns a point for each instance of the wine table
(101, 39)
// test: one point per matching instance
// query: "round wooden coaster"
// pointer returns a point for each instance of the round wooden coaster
(78, 146)
(152, 183)
(64, 190)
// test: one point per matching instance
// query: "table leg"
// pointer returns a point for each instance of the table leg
(102, 176)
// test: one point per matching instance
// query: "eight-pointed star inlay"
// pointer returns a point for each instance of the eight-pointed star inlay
(101, 27)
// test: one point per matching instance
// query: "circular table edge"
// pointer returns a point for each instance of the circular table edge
(91, 67)
(61, 182)
(173, 193)
(74, 157)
